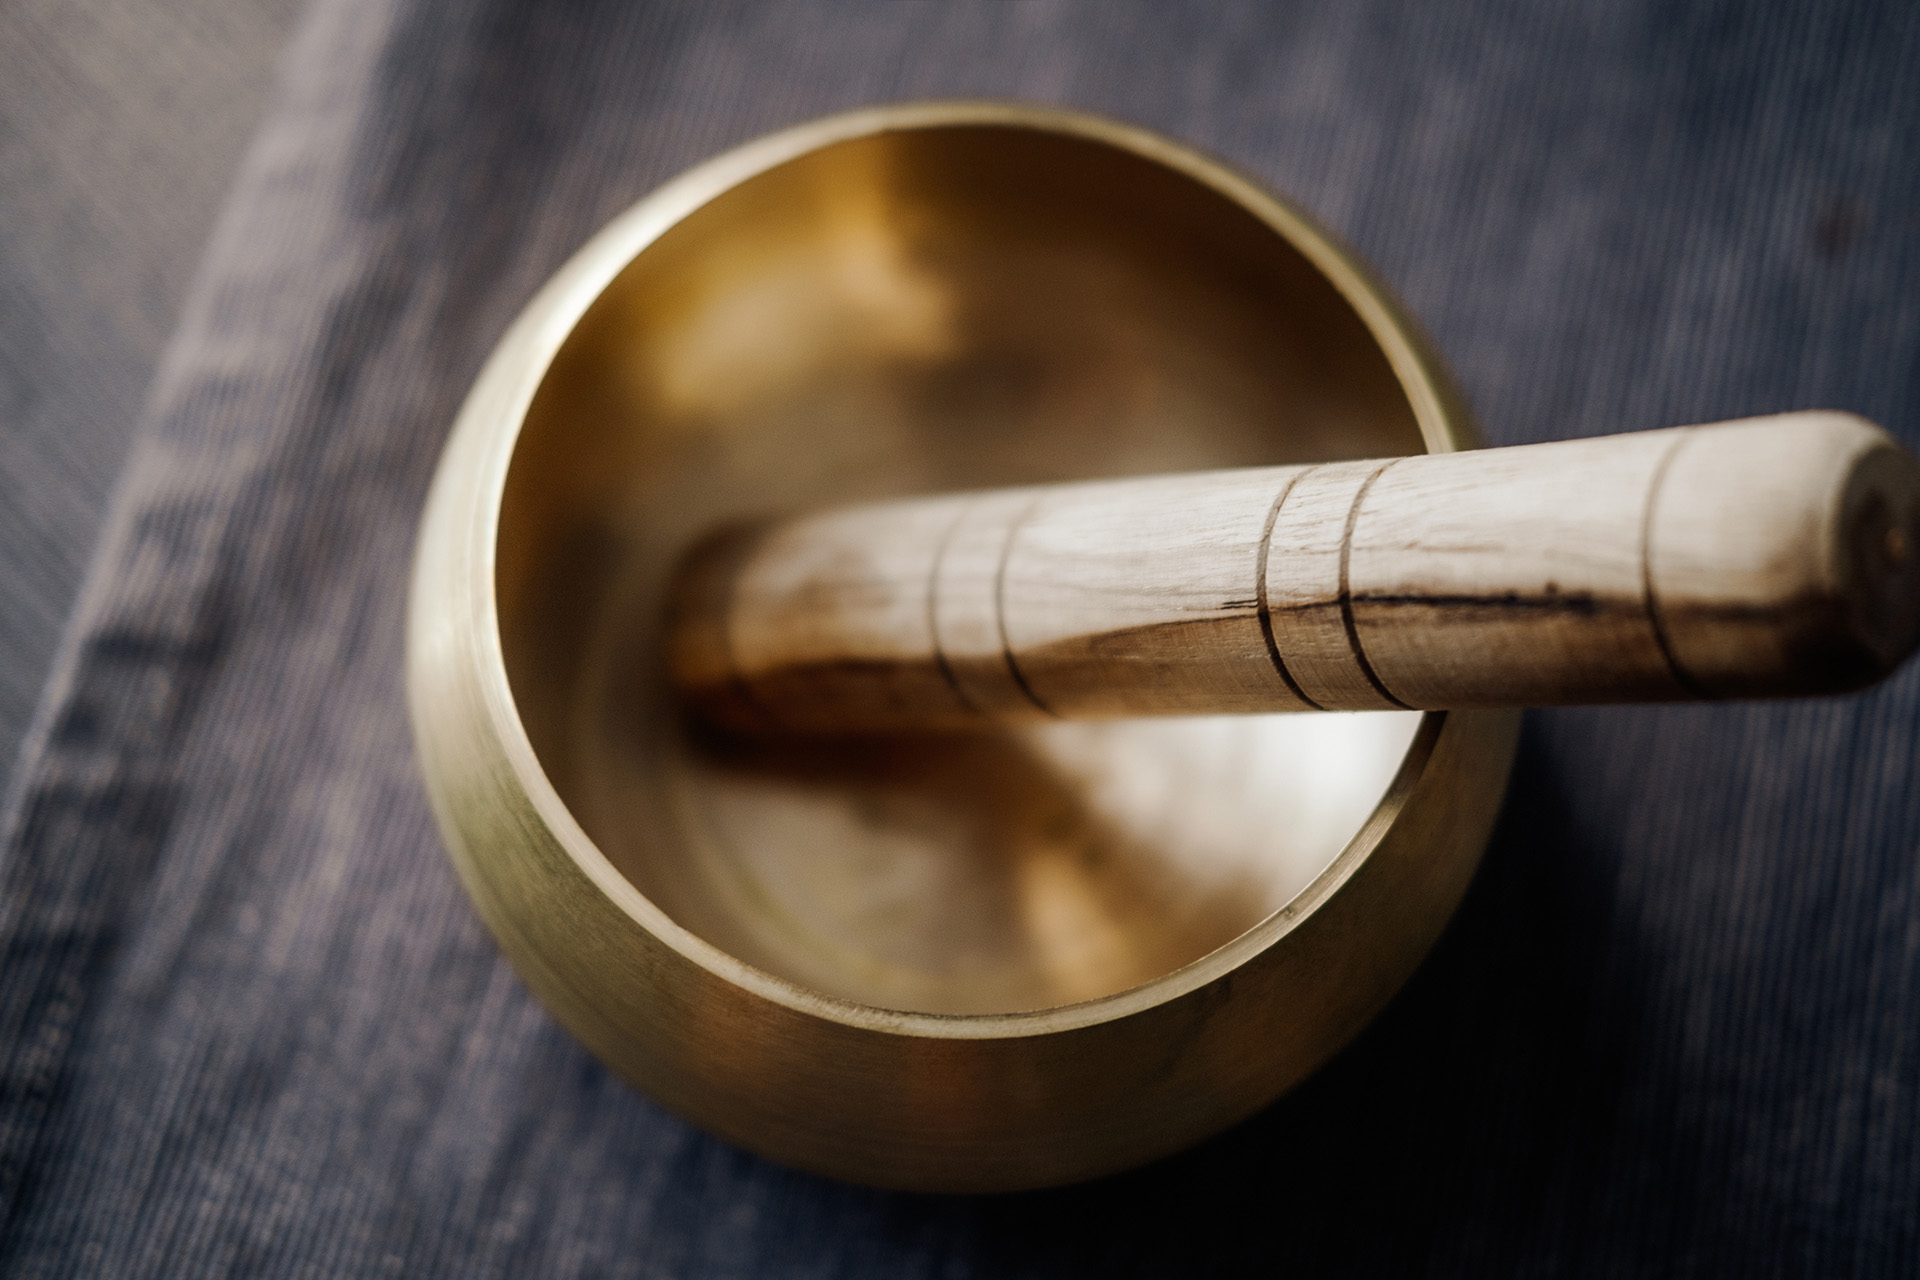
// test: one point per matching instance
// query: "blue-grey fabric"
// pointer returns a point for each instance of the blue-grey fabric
(121, 125)
(250, 1026)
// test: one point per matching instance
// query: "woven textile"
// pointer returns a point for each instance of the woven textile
(249, 1025)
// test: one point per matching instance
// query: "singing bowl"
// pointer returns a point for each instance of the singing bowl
(964, 963)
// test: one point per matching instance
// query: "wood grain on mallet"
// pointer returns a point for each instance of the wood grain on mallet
(1766, 557)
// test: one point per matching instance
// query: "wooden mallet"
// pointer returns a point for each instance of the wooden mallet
(1766, 557)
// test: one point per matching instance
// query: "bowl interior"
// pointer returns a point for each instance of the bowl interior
(923, 310)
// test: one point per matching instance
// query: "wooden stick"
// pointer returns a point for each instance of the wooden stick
(1766, 557)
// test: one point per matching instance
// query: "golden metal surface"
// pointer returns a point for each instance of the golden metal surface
(993, 963)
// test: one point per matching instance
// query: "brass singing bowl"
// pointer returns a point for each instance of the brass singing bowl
(956, 964)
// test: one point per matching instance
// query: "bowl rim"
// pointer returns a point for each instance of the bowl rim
(497, 407)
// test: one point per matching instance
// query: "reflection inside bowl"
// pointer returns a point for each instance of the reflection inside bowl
(994, 873)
